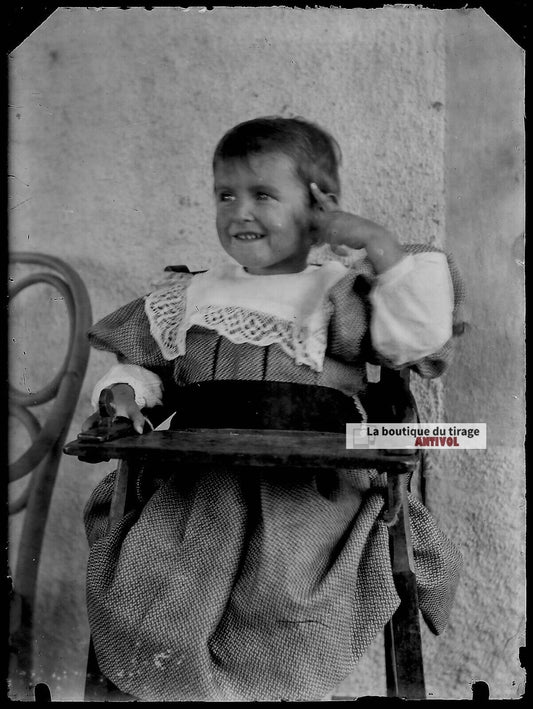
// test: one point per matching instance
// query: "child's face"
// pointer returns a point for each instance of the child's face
(263, 213)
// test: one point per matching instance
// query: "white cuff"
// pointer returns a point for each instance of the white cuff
(147, 386)
(396, 272)
(412, 308)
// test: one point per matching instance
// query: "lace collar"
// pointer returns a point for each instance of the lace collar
(291, 310)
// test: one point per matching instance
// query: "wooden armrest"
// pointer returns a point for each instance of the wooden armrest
(245, 448)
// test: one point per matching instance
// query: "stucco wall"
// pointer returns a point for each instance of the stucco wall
(114, 118)
(481, 495)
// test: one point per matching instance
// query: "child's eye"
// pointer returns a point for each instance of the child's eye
(225, 197)
(262, 196)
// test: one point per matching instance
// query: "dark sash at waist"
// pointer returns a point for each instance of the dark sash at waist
(259, 404)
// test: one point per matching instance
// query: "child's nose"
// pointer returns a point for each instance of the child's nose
(244, 210)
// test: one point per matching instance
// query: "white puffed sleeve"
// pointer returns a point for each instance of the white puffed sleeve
(147, 385)
(412, 308)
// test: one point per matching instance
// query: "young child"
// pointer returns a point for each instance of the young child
(259, 586)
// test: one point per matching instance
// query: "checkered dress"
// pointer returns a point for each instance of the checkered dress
(251, 585)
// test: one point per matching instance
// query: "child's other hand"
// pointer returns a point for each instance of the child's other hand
(125, 405)
(342, 229)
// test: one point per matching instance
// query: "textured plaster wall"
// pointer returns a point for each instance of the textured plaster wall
(480, 496)
(114, 116)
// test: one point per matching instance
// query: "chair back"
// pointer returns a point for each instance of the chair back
(39, 463)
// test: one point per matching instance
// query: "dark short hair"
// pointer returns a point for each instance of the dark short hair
(314, 152)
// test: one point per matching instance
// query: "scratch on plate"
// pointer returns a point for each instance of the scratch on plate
(19, 204)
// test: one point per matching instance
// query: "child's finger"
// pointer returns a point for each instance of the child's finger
(88, 423)
(138, 423)
(340, 250)
(320, 197)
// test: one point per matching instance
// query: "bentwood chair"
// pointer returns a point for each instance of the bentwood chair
(39, 463)
(115, 440)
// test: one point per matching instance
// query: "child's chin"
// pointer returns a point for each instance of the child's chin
(250, 263)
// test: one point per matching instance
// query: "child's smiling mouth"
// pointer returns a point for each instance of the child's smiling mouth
(248, 236)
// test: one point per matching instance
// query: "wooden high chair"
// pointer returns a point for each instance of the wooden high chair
(114, 439)
(39, 464)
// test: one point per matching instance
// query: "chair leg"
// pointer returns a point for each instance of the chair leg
(403, 645)
(97, 686)
(121, 493)
(94, 681)
(20, 648)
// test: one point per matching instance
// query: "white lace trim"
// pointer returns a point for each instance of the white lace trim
(166, 310)
(305, 344)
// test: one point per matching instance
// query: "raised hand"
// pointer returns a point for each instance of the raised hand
(340, 229)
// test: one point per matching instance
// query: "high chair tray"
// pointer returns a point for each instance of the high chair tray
(242, 447)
